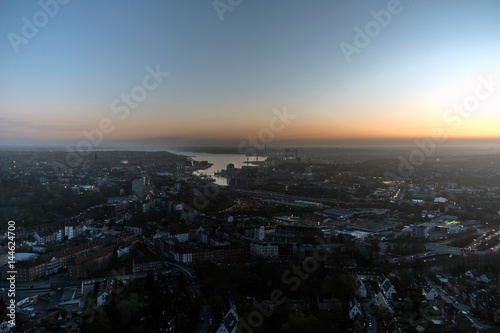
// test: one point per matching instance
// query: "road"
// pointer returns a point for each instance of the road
(184, 269)
(437, 249)
(491, 239)
(370, 317)
(204, 320)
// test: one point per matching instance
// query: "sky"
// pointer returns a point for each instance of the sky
(340, 74)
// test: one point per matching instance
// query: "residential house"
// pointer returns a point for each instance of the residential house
(45, 236)
(382, 302)
(84, 266)
(386, 287)
(101, 299)
(472, 273)
(355, 308)
(68, 255)
(478, 296)
(461, 321)
(260, 249)
(188, 253)
(146, 264)
(391, 323)
(448, 313)
(358, 325)
(429, 291)
(230, 322)
(496, 316)
(52, 266)
(367, 274)
(360, 288)
(29, 270)
(487, 307)
(487, 277)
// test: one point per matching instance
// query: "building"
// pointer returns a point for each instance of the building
(487, 277)
(461, 321)
(479, 296)
(188, 253)
(360, 288)
(181, 236)
(68, 255)
(366, 274)
(30, 270)
(230, 321)
(266, 250)
(71, 231)
(52, 266)
(472, 273)
(380, 301)
(82, 267)
(386, 287)
(146, 264)
(44, 236)
(355, 309)
(429, 292)
(420, 231)
(101, 299)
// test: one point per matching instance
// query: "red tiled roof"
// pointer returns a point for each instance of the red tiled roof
(29, 263)
(79, 248)
(92, 256)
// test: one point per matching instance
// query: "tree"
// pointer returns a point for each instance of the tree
(297, 322)
(101, 323)
(97, 284)
(150, 280)
(362, 192)
(3, 307)
(327, 285)
(345, 287)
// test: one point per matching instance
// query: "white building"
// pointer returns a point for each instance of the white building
(101, 300)
(230, 321)
(182, 237)
(429, 292)
(382, 302)
(420, 231)
(59, 235)
(70, 231)
(354, 309)
(267, 250)
(360, 288)
(386, 287)
(122, 251)
(183, 258)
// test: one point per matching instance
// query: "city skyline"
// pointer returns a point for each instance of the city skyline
(207, 73)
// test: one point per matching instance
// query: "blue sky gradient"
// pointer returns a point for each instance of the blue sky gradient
(227, 76)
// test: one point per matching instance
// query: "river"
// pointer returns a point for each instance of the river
(219, 161)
